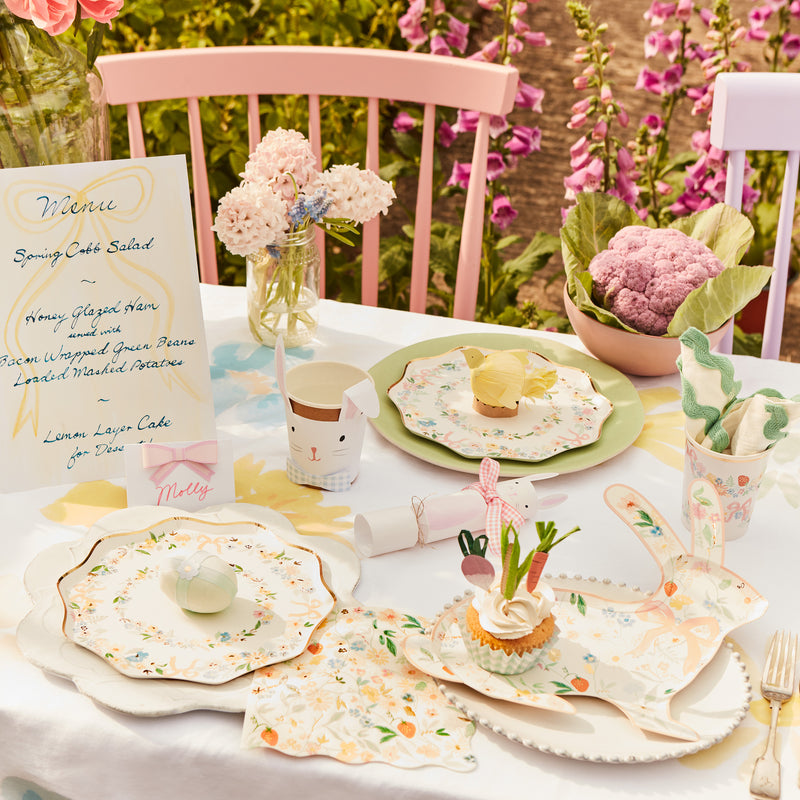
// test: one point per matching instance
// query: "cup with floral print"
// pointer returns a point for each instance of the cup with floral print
(735, 478)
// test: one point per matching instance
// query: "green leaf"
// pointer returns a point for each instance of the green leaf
(94, 42)
(718, 299)
(533, 258)
(588, 229)
(724, 230)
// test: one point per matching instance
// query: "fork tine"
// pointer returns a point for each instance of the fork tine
(789, 661)
(774, 658)
(779, 671)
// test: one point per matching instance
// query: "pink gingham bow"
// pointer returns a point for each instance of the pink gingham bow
(498, 510)
(196, 456)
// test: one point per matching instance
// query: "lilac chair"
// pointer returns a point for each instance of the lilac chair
(761, 111)
(328, 71)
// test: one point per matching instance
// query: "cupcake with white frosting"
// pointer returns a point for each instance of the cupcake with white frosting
(509, 621)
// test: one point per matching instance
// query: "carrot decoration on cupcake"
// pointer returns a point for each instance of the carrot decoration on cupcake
(507, 624)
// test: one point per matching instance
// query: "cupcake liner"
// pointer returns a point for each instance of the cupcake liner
(498, 660)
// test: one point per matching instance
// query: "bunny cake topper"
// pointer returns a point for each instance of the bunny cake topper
(326, 411)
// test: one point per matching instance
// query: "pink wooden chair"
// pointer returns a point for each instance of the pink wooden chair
(761, 111)
(328, 71)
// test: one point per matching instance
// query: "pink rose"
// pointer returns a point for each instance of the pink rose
(101, 10)
(53, 16)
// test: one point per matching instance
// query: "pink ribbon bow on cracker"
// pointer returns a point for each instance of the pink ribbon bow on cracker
(196, 456)
(498, 510)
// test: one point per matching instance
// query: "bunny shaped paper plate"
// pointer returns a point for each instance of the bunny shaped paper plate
(636, 651)
(327, 404)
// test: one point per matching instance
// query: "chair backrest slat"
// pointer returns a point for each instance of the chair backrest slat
(316, 72)
(761, 111)
(422, 229)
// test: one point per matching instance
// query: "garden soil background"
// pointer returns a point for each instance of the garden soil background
(537, 186)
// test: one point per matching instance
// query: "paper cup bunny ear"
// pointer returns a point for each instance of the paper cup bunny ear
(360, 398)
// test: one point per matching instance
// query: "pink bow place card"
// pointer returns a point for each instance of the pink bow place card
(187, 475)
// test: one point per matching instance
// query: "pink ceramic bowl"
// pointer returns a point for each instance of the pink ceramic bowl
(633, 353)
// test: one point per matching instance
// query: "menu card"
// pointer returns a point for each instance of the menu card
(103, 340)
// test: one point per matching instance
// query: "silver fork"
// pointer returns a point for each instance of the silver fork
(777, 686)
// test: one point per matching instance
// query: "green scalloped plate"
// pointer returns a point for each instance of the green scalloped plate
(619, 430)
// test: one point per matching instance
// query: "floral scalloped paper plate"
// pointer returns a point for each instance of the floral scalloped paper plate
(115, 607)
(619, 430)
(41, 639)
(434, 399)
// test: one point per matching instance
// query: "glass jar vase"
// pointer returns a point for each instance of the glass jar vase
(283, 290)
(53, 109)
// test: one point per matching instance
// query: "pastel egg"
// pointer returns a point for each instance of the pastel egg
(199, 582)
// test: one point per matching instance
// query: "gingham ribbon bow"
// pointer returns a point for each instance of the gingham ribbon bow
(164, 458)
(498, 510)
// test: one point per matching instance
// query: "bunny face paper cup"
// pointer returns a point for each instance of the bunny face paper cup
(327, 404)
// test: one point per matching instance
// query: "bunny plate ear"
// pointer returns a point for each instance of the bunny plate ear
(360, 398)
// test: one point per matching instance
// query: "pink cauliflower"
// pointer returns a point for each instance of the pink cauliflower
(646, 273)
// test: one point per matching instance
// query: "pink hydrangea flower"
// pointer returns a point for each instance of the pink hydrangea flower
(284, 161)
(249, 218)
(356, 194)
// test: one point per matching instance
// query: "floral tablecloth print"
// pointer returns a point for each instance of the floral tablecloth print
(353, 696)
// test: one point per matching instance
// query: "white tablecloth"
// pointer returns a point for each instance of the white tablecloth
(55, 741)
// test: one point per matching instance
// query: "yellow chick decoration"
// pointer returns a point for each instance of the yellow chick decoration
(499, 380)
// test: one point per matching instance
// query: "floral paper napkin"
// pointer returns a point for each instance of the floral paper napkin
(353, 696)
